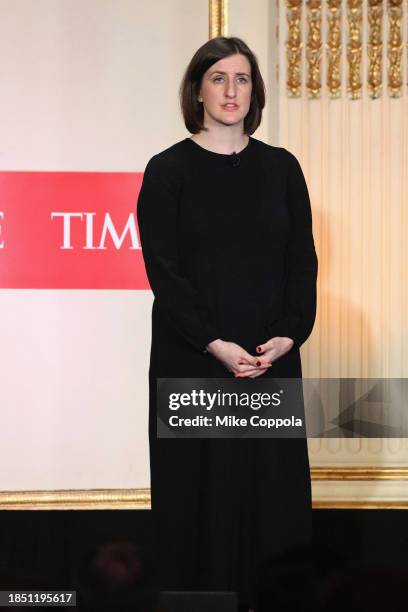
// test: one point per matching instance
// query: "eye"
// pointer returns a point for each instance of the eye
(241, 79)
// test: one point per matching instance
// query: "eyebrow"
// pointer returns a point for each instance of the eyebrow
(221, 72)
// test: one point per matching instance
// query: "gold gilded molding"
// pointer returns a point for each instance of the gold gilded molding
(293, 47)
(333, 46)
(374, 47)
(360, 505)
(394, 47)
(139, 499)
(358, 473)
(76, 499)
(314, 47)
(354, 47)
(218, 18)
(353, 474)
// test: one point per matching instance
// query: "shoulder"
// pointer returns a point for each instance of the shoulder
(285, 163)
(288, 162)
(277, 154)
(169, 160)
(164, 171)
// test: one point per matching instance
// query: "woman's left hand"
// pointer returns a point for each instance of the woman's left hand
(268, 352)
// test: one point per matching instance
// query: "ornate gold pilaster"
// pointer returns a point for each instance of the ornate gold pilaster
(394, 47)
(334, 47)
(354, 48)
(294, 47)
(314, 48)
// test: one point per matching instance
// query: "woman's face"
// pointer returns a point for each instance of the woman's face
(227, 82)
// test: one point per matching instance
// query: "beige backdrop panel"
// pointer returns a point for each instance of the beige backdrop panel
(90, 86)
(87, 86)
(354, 154)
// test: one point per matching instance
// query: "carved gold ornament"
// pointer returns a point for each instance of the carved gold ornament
(394, 47)
(333, 46)
(375, 47)
(293, 47)
(319, 22)
(314, 47)
(354, 47)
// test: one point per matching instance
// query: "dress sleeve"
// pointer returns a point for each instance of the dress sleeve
(177, 298)
(301, 263)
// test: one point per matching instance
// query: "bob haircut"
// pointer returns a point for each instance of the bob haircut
(207, 55)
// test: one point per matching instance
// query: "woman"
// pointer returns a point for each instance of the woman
(226, 232)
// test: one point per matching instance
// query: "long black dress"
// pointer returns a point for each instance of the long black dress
(229, 252)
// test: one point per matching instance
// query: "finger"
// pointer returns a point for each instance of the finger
(245, 361)
(251, 374)
(260, 363)
(259, 373)
(261, 348)
(245, 370)
(267, 356)
(249, 359)
(264, 362)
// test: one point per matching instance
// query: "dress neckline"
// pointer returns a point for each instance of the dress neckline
(220, 155)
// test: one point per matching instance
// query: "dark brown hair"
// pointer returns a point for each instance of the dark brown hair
(207, 55)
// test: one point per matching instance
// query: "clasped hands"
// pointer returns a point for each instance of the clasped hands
(241, 363)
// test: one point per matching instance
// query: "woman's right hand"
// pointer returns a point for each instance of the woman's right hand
(236, 359)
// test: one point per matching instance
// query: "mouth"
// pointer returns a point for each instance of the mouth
(230, 106)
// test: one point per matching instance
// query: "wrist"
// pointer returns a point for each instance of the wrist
(284, 339)
(214, 344)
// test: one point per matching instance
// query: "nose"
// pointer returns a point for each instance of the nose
(230, 88)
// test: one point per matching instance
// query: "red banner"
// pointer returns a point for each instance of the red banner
(70, 230)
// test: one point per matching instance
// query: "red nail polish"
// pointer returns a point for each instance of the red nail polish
(258, 363)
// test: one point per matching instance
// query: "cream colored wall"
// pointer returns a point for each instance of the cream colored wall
(92, 85)
(86, 86)
(354, 155)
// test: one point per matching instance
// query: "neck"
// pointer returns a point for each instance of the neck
(221, 141)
